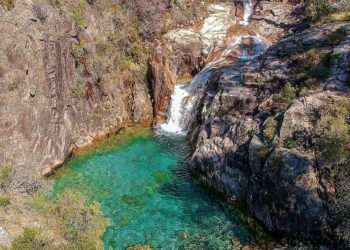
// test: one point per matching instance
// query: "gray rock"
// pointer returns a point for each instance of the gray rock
(5, 239)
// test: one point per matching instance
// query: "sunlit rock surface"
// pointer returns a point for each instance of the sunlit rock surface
(286, 188)
(55, 94)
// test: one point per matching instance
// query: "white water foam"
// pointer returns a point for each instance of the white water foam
(248, 11)
(181, 101)
(175, 124)
(257, 48)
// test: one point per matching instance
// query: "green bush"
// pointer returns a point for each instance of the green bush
(5, 172)
(286, 96)
(270, 128)
(4, 201)
(74, 8)
(337, 36)
(311, 68)
(291, 143)
(77, 220)
(78, 14)
(30, 239)
(289, 92)
(333, 131)
(80, 222)
(40, 202)
(315, 9)
(332, 144)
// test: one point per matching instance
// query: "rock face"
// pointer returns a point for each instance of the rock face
(256, 141)
(73, 71)
(180, 54)
(255, 122)
(57, 88)
(185, 51)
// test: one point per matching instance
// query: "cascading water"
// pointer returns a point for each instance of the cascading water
(249, 47)
(248, 11)
(177, 108)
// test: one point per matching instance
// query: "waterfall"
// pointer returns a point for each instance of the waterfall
(175, 123)
(248, 11)
(184, 96)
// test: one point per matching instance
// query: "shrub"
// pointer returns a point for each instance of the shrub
(130, 52)
(288, 92)
(78, 14)
(311, 68)
(77, 220)
(40, 202)
(4, 201)
(8, 4)
(80, 221)
(76, 9)
(337, 36)
(332, 143)
(333, 131)
(30, 239)
(5, 172)
(315, 9)
(270, 128)
(282, 100)
(291, 143)
(12, 86)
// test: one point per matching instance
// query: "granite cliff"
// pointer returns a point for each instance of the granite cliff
(270, 129)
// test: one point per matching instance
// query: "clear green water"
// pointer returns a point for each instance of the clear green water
(145, 190)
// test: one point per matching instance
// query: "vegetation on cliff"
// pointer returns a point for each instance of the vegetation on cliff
(78, 224)
(8, 4)
(328, 10)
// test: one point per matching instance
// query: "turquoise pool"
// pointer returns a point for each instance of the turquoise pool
(149, 197)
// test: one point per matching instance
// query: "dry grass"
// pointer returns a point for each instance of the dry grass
(333, 130)
(8, 4)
